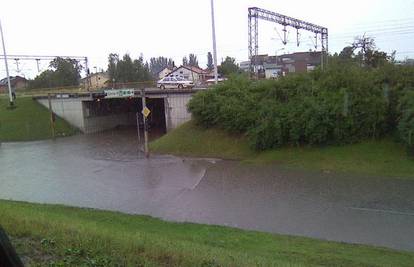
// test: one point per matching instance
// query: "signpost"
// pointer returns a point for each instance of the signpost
(139, 134)
(52, 116)
(145, 112)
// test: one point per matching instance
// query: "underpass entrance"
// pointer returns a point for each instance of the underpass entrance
(112, 114)
(113, 110)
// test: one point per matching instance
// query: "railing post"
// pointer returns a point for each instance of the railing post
(52, 116)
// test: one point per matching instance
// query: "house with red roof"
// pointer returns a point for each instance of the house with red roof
(192, 73)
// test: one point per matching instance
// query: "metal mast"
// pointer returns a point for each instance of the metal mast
(256, 13)
(214, 42)
(7, 67)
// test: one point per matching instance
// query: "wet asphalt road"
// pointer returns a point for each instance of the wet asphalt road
(105, 171)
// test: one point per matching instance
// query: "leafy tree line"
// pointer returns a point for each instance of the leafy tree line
(62, 72)
(66, 71)
(353, 99)
(228, 67)
(125, 70)
(157, 64)
(191, 61)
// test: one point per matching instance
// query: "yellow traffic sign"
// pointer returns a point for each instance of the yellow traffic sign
(146, 112)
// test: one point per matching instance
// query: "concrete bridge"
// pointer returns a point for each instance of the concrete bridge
(98, 111)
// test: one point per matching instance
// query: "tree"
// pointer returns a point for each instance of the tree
(61, 72)
(228, 66)
(364, 44)
(142, 70)
(368, 54)
(192, 60)
(363, 51)
(210, 64)
(43, 80)
(347, 52)
(113, 60)
(375, 58)
(127, 70)
(185, 61)
(158, 64)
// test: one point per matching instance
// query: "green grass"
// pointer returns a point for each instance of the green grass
(28, 121)
(190, 140)
(380, 157)
(51, 235)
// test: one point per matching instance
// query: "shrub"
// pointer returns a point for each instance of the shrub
(344, 104)
(406, 123)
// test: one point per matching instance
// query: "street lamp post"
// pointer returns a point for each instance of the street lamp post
(276, 56)
(7, 67)
(214, 42)
(96, 76)
(278, 51)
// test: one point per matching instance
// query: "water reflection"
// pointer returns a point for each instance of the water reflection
(107, 171)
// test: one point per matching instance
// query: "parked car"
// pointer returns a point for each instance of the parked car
(213, 81)
(174, 82)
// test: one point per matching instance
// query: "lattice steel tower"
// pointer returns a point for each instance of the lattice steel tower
(256, 13)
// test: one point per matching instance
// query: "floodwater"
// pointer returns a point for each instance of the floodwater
(106, 171)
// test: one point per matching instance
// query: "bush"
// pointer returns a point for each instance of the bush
(406, 123)
(344, 104)
(228, 106)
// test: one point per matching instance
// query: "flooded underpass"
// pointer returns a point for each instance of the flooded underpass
(107, 171)
(103, 115)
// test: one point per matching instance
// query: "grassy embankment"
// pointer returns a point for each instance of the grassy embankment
(383, 157)
(49, 235)
(28, 121)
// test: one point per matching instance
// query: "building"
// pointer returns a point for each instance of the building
(195, 74)
(16, 82)
(301, 62)
(97, 80)
(164, 72)
(245, 66)
(272, 70)
(274, 66)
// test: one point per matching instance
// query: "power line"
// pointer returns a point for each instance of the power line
(384, 22)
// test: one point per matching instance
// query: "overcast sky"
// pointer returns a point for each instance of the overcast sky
(177, 28)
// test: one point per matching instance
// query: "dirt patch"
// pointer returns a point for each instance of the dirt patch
(31, 251)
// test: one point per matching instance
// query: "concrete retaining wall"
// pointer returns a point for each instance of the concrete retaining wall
(176, 112)
(70, 109)
(75, 112)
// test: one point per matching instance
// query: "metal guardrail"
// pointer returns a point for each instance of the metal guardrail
(137, 93)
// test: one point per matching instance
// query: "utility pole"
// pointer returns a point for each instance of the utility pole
(96, 78)
(17, 65)
(87, 84)
(7, 67)
(38, 64)
(214, 42)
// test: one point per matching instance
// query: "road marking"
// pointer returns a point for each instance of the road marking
(383, 211)
(199, 181)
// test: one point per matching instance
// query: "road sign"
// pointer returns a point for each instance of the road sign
(146, 111)
(121, 93)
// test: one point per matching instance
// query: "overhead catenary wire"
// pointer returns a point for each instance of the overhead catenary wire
(397, 30)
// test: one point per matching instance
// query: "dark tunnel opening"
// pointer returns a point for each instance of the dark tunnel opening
(125, 114)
